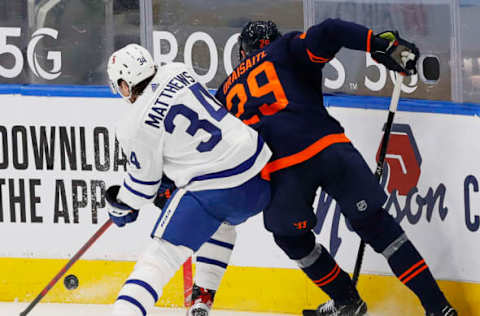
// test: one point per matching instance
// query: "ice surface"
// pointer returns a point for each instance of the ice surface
(14, 309)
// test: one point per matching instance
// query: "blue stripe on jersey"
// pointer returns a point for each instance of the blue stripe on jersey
(247, 164)
(212, 261)
(134, 302)
(143, 182)
(220, 243)
(145, 196)
(146, 286)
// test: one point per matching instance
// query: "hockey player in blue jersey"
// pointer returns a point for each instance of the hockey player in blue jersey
(176, 128)
(277, 90)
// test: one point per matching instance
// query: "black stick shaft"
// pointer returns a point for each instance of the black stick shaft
(69, 264)
(381, 160)
(378, 175)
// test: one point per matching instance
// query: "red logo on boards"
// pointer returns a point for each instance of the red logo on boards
(403, 160)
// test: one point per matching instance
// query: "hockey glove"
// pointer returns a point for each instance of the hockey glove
(164, 192)
(120, 213)
(395, 53)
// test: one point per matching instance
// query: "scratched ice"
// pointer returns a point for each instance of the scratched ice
(14, 309)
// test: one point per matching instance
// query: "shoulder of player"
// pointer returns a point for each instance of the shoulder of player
(128, 127)
(136, 125)
(131, 128)
(168, 71)
(135, 137)
(291, 35)
(282, 51)
(170, 84)
(174, 76)
(282, 44)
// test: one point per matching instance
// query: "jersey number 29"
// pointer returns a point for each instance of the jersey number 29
(272, 87)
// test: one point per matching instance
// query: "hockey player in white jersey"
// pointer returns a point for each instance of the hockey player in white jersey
(176, 128)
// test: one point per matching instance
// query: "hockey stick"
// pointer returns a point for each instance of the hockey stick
(187, 283)
(69, 264)
(378, 174)
(429, 73)
(380, 164)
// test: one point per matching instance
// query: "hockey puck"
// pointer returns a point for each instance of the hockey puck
(70, 282)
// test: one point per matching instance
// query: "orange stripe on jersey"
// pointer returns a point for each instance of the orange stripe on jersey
(303, 35)
(303, 155)
(369, 41)
(317, 59)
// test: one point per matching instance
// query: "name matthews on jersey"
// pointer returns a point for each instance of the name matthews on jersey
(161, 106)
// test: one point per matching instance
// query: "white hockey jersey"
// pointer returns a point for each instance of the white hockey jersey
(178, 129)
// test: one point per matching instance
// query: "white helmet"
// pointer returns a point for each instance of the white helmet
(132, 63)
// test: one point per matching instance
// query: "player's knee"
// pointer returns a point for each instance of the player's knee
(162, 254)
(296, 247)
(379, 230)
(226, 233)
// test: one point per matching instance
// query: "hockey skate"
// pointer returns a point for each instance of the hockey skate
(357, 308)
(202, 301)
(446, 311)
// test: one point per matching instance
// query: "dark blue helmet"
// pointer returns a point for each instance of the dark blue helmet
(256, 35)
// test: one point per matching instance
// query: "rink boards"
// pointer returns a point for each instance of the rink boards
(276, 290)
(57, 156)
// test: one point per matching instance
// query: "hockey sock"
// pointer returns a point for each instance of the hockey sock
(328, 276)
(319, 266)
(410, 268)
(213, 257)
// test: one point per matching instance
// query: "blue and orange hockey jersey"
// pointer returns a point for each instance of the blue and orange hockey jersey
(277, 90)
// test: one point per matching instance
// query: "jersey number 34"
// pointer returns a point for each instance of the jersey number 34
(213, 107)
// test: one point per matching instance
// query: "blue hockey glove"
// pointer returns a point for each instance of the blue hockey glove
(120, 213)
(164, 192)
(395, 53)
